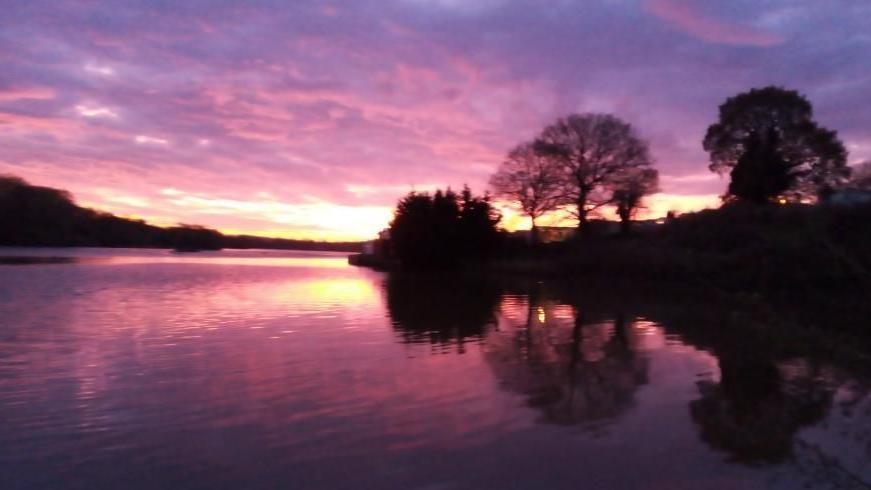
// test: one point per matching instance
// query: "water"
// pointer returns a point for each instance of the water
(147, 369)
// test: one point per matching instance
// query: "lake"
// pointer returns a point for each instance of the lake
(145, 369)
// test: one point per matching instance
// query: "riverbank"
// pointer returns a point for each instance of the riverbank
(763, 257)
(745, 248)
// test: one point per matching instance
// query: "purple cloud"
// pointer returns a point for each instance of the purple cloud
(353, 104)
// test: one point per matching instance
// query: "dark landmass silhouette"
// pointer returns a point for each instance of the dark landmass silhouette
(43, 216)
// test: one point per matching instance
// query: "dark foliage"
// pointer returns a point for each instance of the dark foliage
(761, 173)
(42, 216)
(818, 252)
(443, 229)
(775, 125)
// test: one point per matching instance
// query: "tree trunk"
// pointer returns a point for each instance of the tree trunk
(533, 234)
(625, 222)
(582, 213)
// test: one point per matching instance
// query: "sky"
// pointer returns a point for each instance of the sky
(309, 119)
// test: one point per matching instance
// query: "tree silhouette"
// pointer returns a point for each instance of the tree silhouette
(629, 190)
(771, 134)
(592, 151)
(529, 180)
(442, 229)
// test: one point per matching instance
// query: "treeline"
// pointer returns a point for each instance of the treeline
(42, 216)
(795, 248)
(766, 140)
(794, 213)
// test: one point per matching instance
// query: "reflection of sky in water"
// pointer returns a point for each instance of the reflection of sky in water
(159, 371)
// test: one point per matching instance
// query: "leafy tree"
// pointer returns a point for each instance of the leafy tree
(442, 229)
(629, 190)
(786, 147)
(592, 151)
(530, 181)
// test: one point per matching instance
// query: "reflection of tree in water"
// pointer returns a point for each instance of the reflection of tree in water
(768, 389)
(573, 368)
(441, 310)
(757, 408)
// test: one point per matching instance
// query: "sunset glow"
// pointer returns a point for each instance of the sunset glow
(309, 119)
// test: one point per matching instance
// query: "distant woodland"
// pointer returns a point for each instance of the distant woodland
(42, 216)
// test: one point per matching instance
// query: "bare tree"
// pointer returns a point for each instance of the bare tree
(592, 151)
(530, 181)
(629, 190)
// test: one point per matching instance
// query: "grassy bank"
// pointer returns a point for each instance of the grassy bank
(744, 248)
(760, 258)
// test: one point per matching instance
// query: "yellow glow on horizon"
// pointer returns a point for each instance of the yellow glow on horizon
(301, 234)
(315, 220)
(658, 205)
(654, 207)
(264, 215)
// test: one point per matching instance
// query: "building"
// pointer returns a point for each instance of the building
(380, 247)
(849, 196)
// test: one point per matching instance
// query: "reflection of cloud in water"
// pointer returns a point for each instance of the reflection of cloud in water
(338, 290)
(571, 368)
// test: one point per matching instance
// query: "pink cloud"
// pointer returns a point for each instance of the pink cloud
(32, 93)
(685, 15)
(355, 104)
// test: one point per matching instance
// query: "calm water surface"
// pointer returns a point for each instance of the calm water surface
(146, 369)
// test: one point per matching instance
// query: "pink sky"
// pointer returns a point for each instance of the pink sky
(309, 119)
